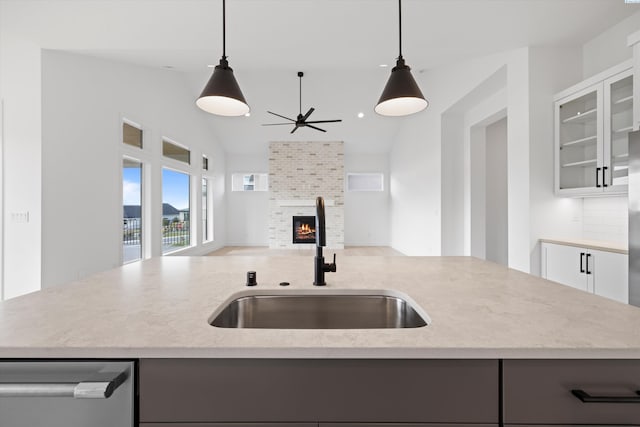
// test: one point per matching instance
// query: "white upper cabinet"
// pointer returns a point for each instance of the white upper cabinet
(592, 122)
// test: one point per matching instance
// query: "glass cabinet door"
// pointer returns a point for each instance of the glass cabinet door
(579, 141)
(618, 100)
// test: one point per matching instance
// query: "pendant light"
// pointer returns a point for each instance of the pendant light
(401, 96)
(222, 95)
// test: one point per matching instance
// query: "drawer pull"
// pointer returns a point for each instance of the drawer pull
(587, 398)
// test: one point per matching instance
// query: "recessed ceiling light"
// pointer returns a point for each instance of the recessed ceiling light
(211, 66)
(247, 115)
(360, 115)
(383, 65)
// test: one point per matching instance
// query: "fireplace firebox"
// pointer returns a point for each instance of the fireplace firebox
(304, 229)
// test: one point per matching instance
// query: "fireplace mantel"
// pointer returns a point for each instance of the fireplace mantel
(311, 202)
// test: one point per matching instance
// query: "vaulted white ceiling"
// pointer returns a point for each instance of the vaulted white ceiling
(338, 43)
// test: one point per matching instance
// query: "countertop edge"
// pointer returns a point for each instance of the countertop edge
(326, 353)
(589, 244)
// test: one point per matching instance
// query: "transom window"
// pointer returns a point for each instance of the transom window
(176, 152)
(131, 135)
(249, 182)
(365, 182)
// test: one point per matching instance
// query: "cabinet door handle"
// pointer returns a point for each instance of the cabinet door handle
(587, 263)
(587, 398)
(598, 177)
(604, 177)
(581, 262)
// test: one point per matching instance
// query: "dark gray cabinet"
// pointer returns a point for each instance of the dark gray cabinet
(401, 425)
(384, 393)
(318, 391)
(309, 425)
(539, 392)
(229, 425)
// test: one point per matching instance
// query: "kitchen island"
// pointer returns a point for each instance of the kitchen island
(502, 347)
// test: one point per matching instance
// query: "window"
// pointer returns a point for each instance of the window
(176, 209)
(207, 233)
(249, 182)
(131, 210)
(176, 152)
(131, 135)
(205, 163)
(365, 182)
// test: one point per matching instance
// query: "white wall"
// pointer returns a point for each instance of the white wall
(83, 102)
(485, 109)
(609, 48)
(550, 70)
(20, 82)
(496, 205)
(451, 211)
(417, 178)
(478, 192)
(247, 211)
(533, 76)
(366, 213)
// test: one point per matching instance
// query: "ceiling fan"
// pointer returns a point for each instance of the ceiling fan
(301, 121)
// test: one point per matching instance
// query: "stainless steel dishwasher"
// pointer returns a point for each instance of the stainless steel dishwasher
(66, 394)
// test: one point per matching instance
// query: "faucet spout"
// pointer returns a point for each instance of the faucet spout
(321, 231)
(320, 267)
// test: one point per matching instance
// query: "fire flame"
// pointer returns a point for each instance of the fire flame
(305, 229)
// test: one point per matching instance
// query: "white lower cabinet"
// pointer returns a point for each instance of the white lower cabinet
(601, 272)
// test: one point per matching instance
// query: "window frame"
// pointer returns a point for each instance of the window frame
(193, 217)
(144, 156)
(209, 211)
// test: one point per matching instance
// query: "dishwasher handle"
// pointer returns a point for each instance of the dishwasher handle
(98, 388)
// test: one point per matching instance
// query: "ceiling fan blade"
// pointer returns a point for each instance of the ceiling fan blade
(295, 129)
(306, 116)
(276, 124)
(287, 118)
(313, 127)
(324, 121)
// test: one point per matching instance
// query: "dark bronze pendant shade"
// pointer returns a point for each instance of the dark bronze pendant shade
(401, 95)
(222, 94)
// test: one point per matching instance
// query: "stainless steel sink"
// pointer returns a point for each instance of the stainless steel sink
(319, 310)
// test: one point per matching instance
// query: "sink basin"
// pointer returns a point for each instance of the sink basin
(319, 310)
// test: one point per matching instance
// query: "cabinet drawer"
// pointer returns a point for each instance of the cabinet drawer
(251, 390)
(401, 425)
(539, 391)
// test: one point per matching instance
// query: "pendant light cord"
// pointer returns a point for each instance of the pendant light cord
(300, 104)
(224, 30)
(400, 27)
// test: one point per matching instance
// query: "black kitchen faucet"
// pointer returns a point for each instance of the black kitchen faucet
(321, 240)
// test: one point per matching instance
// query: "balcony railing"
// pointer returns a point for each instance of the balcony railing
(175, 234)
(131, 232)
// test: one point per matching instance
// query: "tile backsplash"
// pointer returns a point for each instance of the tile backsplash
(606, 218)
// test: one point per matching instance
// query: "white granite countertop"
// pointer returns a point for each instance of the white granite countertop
(591, 244)
(160, 307)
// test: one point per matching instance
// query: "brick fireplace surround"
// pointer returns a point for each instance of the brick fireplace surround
(298, 173)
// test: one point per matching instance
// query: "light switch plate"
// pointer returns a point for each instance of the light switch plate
(20, 217)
